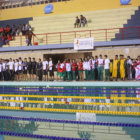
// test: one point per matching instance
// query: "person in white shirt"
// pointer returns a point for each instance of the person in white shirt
(86, 68)
(100, 68)
(45, 67)
(92, 66)
(16, 69)
(63, 68)
(51, 71)
(11, 68)
(106, 67)
(68, 70)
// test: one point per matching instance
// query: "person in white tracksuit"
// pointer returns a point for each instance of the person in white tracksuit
(86, 68)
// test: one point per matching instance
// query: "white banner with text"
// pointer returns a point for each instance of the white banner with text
(83, 43)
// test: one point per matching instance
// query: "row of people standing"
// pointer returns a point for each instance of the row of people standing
(93, 68)
(73, 70)
(97, 68)
(125, 68)
(27, 69)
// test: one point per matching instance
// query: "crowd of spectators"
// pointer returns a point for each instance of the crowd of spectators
(8, 33)
(90, 69)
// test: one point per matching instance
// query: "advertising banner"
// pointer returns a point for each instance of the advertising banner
(83, 43)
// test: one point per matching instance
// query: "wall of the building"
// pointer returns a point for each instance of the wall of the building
(64, 7)
(132, 51)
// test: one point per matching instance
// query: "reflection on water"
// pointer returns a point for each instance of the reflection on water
(83, 131)
(84, 135)
(18, 126)
(18, 138)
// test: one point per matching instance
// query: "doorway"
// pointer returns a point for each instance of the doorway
(61, 57)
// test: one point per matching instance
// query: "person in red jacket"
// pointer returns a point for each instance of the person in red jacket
(2, 35)
(1, 31)
(80, 69)
(7, 30)
(63, 67)
(74, 65)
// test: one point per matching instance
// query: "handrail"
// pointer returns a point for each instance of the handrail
(69, 36)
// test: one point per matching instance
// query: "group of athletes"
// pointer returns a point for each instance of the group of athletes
(99, 68)
(27, 69)
(89, 68)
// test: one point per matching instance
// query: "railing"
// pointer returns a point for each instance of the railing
(68, 37)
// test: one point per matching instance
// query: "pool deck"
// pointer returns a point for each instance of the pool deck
(74, 83)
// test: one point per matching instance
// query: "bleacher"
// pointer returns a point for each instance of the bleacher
(132, 33)
(97, 20)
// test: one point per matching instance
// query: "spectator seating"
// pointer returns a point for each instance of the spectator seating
(103, 19)
(133, 22)
(14, 22)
